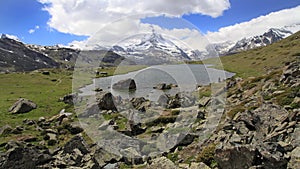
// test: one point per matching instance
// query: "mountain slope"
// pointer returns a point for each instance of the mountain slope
(260, 61)
(152, 49)
(15, 56)
(271, 36)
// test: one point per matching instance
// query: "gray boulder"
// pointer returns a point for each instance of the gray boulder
(162, 162)
(127, 84)
(238, 157)
(22, 106)
(5, 130)
(23, 158)
(163, 100)
(105, 101)
(69, 99)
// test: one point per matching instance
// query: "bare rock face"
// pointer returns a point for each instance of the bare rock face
(127, 84)
(22, 106)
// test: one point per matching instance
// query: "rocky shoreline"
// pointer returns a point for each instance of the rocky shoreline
(259, 128)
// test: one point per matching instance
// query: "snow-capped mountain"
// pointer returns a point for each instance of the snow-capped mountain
(271, 36)
(153, 49)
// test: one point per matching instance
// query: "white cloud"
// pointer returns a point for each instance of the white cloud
(31, 31)
(256, 26)
(85, 17)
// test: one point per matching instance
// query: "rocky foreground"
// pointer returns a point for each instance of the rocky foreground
(259, 128)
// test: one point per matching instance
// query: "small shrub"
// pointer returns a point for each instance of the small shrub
(235, 110)
(173, 156)
(207, 154)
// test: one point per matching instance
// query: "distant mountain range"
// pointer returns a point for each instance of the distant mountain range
(269, 37)
(149, 49)
(152, 49)
(16, 56)
(156, 47)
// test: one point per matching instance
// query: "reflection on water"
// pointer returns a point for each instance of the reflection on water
(187, 77)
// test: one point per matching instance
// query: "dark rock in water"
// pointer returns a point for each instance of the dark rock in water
(98, 89)
(22, 106)
(163, 86)
(237, 157)
(127, 84)
(105, 101)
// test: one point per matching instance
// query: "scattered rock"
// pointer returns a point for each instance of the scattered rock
(295, 159)
(272, 155)
(76, 142)
(105, 101)
(203, 102)
(199, 166)
(90, 110)
(75, 128)
(29, 122)
(69, 99)
(163, 86)
(51, 138)
(21, 158)
(127, 84)
(5, 130)
(238, 157)
(162, 162)
(45, 72)
(98, 89)
(22, 106)
(41, 119)
(140, 104)
(163, 100)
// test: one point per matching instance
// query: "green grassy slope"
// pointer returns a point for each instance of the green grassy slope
(259, 61)
(44, 90)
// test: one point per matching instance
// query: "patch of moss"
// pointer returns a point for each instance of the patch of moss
(231, 114)
(173, 157)
(207, 154)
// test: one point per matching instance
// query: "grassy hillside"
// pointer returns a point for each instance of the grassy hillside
(44, 90)
(259, 61)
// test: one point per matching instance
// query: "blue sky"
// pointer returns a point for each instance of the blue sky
(18, 17)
